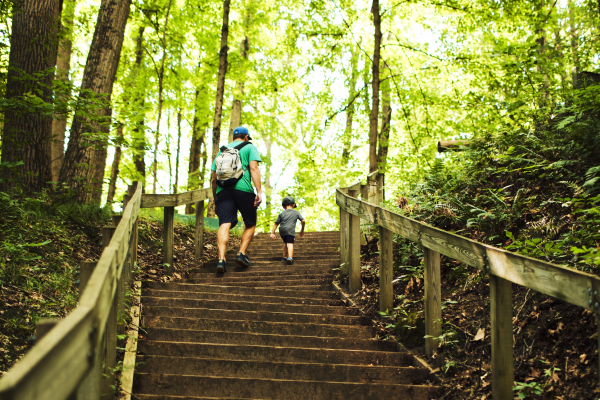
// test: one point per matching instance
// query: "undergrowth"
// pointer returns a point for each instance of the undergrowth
(41, 245)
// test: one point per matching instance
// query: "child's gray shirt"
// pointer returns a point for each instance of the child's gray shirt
(287, 222)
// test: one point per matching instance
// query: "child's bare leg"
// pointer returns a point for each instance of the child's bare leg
(290, 249)
(284, 250)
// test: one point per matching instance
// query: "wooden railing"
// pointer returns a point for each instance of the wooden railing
(503, 268)
(75, 358)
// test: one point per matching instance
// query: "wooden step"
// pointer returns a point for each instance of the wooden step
(273, 353)
(260, 339)
(276, 270)
(262, 327)
(227, 278)
(241, 315)
(308, 291)
(282, 370)
(241, 297)
(251, 388)
(247, 306)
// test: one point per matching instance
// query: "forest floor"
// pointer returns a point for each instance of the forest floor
(47, 286)
(555, 343)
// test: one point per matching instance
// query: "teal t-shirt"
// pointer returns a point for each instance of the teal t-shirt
(248, 153)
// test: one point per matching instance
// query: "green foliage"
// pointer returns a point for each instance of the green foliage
(526, 389)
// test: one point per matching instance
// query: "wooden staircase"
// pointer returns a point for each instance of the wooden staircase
(272, 331)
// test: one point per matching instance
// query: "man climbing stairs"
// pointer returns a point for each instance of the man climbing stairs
(271, 331)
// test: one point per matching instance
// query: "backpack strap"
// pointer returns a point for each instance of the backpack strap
(240, 146)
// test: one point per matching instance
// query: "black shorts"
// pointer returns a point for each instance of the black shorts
(230, 201)
(288, 239)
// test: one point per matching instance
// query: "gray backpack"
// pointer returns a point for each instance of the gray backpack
(229, 165)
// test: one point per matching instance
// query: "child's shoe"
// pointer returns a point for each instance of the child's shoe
(290, 261)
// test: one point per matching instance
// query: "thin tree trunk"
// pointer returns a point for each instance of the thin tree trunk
(138, 133)
(178, 151)
(267, 186)
(236, 110)
(574, 42)
(198, 138)
(347, 139)
(26, 140)
(216, 131)
(386, 110)
(168, 143)
(374, 117)
(216, 137)
(114, 171)
(63, 67)
(160, 99)
(82, 159)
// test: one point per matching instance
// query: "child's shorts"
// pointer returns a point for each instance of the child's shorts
(288, 239)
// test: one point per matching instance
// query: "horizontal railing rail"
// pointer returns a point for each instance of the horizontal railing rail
(504, 268)
(75, 358)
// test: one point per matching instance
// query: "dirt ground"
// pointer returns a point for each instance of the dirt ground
(555, 343)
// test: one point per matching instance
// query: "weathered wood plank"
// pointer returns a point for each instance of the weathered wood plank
(502, 338)
(199, 239)
(131, 346)
(386, 269)
(456, 145)
(344, 240)
(433, 300)
(563, 283)
(56, 365)
(175, 200)
(168, 225)
(354, 247)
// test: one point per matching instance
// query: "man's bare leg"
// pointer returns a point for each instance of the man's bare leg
(284, 250)
(223, 239)
(247, 238)
(290, 250)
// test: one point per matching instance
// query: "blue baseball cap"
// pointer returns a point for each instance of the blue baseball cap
(241, 130)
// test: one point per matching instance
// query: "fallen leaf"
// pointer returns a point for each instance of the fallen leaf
(582, 357)
(480, 335)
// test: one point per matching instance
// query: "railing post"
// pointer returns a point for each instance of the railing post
(502, 338)
(344, 238)
(85, 272)
(380, 188)
(169, 216)
(354, 246)
(386, 269)
(372, 188)
(199, 245)
(433, 300)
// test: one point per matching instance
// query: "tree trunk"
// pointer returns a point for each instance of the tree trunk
(198, 139)
(138, 132)
(84, 154)
(26, 140)
(114, 172)
(386, 110)
(216, 131)
(236, 110)
(160, 100)
(178, 151)
(374, 118)
(63, 67)
(347, 139)
(216, 137)
(574, 42)
(267, 186)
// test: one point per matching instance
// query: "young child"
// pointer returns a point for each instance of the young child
(287, 229)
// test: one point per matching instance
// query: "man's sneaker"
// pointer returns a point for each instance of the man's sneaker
(283, 259)
(290, 261)
(242, 260)
(221, 266)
